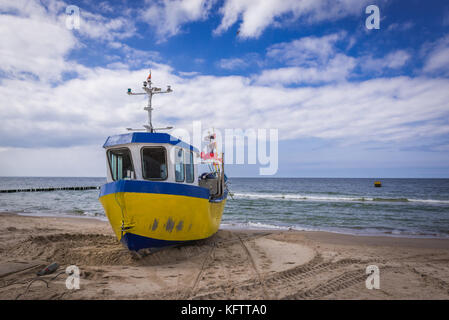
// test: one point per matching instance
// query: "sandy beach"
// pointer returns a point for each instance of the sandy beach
(233, 264)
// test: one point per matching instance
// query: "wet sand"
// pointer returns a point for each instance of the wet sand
(233, 264)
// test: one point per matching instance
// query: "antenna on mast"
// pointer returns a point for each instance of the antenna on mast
(149, 91)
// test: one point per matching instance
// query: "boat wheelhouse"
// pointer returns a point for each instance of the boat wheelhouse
(154, 196)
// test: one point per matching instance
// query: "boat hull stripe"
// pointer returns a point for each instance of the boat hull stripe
(139, 186)
(135, 242)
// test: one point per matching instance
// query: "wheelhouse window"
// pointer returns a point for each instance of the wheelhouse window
(189, 167)
(179, 165)
(120, 163)
(154, 163)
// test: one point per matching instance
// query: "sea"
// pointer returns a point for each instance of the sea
(400, 208)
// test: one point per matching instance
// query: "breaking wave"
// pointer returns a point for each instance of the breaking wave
(300, 197)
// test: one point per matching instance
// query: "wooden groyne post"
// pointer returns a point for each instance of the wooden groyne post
(48, 189)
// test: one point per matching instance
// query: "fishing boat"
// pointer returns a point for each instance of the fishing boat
(154, 196)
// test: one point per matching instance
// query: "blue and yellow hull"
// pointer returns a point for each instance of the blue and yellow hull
(151, 214)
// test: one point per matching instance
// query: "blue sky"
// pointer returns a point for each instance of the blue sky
(347, 101)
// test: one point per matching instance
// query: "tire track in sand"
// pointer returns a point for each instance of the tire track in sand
(259, 276)
(288, 277)
(200, 273)
(340, 282)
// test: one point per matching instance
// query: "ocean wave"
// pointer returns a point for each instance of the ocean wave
(300, 197)
(260, 225)
(429, 200)
(359, 231)
(390, 199)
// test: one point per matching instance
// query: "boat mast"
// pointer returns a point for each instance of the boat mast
(149, 91)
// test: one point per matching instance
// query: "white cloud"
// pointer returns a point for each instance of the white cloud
(306, 51)
(33, 42)
(133, 57)
(168, 16)
(336, 69)
(188, 74)
(404, 26)
(105, 7)
(83, 112)
(36, 41)
(393, 60)
(396, 59)
(79, 161)
(376, 110)
(256, 16)
(68, 121)
(32, 8)
(72, 113)
(102, 28)
(232, 63)
(87, 109)
(311, 59)
(437, 61)
(318, 59)
(80, 111)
